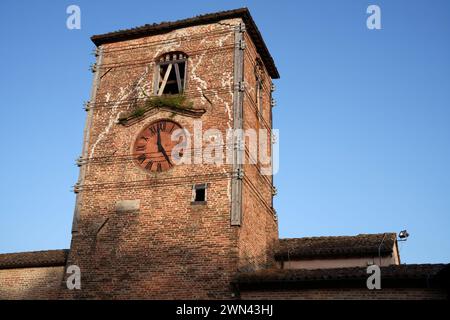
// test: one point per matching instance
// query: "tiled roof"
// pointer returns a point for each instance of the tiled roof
(418, 273)
(341, 246)
(33, 259)
(163, 27)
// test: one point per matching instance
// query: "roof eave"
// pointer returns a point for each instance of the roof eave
(164, 27)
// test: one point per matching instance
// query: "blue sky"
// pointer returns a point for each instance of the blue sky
(363, 115)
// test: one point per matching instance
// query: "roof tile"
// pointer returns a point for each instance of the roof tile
(163, 27)
(393, 272)
(341, 246)
(33, 259)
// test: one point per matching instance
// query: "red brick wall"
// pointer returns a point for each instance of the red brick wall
(169, 248)
(31, 283)
(259, 229)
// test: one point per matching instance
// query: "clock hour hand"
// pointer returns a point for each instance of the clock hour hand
(161, 149)
(158, 141)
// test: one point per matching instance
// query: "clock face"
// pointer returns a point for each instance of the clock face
(152, 149)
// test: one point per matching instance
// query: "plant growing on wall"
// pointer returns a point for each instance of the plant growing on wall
(176, 101)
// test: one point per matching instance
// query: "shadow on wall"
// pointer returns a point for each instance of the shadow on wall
(31, 283)
(123, 257)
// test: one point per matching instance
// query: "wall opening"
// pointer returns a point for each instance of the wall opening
(170, 73)
(199, 193)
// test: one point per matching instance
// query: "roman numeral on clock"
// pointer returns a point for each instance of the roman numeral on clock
(141, 158)
(140, 148)
(149, 165)
(162, 126)
(152, 130)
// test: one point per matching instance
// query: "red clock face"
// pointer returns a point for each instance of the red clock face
(152, 149)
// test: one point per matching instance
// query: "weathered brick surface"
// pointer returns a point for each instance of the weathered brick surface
(169, 248)
(138, 234)
(31, 283)
(259, 230)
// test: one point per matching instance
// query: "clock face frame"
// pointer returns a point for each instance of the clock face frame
(152, 149)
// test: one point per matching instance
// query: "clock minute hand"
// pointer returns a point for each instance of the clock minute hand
(166, 156)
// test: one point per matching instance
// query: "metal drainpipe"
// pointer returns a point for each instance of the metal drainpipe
(87, 128)
(238, 83)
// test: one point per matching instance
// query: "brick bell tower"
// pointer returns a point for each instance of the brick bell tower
(145, 227)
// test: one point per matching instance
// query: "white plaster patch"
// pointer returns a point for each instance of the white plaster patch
(225, 81)
(202, 85)
(113, 114)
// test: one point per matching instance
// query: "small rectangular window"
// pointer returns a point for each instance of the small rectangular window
(199, 193)
(171, 74)
(259, 74)
(259, 99)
